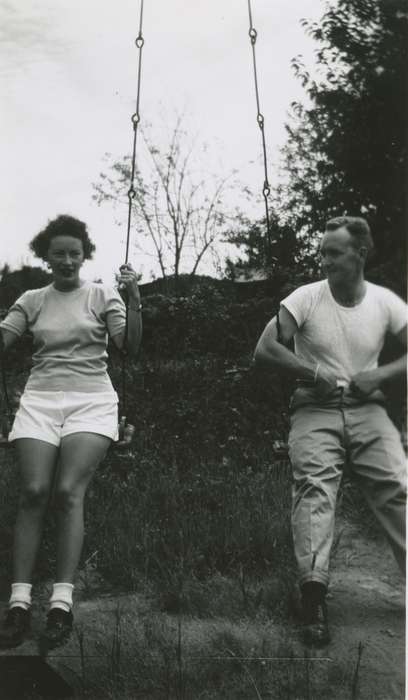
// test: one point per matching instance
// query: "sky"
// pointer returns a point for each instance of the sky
(68, 73)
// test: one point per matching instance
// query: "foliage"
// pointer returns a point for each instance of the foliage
(346, 150)
(291, 255)
(14, 283)
(202, 324)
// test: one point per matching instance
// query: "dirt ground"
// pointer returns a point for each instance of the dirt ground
(364, 661)
(368, 607)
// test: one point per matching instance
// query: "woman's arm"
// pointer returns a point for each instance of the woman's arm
(134, 334)
(16, 322)
(128, 282)
(8, 338)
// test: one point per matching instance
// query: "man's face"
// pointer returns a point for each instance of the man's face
(340, 259)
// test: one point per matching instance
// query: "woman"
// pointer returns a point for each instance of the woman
(68, 412)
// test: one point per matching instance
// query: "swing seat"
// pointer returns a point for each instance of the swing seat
(4, 433)
(122, 464)
(126, 434)
(280, 448)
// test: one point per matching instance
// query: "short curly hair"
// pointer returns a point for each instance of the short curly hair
(63, 225)
(357, 227)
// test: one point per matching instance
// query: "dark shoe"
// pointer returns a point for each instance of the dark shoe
(315, 623)
(58, 628)
(314, 614)
(15, 628)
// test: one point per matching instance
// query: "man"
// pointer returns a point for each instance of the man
(337, 411)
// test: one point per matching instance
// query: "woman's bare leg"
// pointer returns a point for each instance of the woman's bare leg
(37, 460)
(79, 457)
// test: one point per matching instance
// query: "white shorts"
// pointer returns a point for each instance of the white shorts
(51, 415)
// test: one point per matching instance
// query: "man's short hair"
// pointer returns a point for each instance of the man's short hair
(357, 227)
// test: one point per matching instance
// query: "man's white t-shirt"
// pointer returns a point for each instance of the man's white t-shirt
(344, 340)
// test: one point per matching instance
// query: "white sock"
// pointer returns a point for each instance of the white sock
(20, 595)
(62, 596)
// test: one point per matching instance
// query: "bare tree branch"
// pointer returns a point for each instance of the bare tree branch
(182, 213)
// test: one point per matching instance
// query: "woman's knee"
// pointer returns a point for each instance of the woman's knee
(34, 497)
(68, 498)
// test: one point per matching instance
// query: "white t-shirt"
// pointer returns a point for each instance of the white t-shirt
(344, 340)
(70, 331)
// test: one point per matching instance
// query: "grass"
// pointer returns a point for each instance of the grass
(158, 656)
(169, 523)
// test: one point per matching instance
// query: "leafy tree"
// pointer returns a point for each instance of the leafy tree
(180, 211)
(14, 283)
(292, 257)
(346, 151)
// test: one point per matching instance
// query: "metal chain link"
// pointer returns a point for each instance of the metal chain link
(135, 119)
(253, 34)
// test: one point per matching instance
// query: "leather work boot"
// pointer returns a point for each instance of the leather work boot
(15, 628)
(58, 628)
(315, 616)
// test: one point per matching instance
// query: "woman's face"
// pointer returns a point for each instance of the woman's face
(65, 256)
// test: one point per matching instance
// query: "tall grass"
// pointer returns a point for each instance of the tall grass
(167, 523)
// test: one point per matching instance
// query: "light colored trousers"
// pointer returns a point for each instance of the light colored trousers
(321, 440)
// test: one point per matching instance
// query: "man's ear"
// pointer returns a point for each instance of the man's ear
(363, 253)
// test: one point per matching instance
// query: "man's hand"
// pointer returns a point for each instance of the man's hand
(364, 383)
(325, 383)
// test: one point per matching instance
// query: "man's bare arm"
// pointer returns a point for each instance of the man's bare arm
(269, 352)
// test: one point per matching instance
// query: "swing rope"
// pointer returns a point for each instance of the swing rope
(253, 35)
(8, 416)
(135, 119)
(279, 446)
(3, 378)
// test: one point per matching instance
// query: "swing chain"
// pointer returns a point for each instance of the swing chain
(8, 416)
(253, 34)
(3, 379)
(135, 119)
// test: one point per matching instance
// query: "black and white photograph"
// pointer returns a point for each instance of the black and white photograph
(203, 337)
